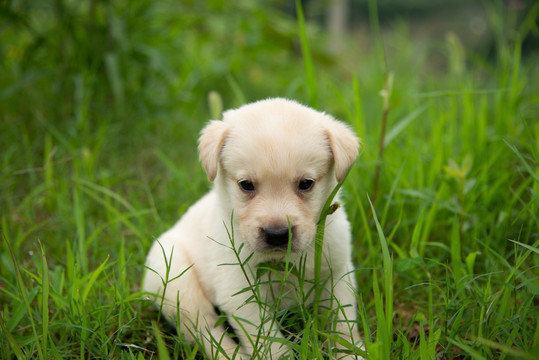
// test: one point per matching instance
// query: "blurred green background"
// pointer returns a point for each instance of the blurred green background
(101, 103)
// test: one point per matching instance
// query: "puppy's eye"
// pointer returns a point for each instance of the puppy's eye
(247, 186)
(305, 185)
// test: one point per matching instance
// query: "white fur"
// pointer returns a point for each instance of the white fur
(274, 144)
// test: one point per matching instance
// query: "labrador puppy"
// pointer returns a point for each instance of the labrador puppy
(274, 163)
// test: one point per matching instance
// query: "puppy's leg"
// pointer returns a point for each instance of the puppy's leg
(198, 319)
(254, 324)
(257, 334)
(186, 303)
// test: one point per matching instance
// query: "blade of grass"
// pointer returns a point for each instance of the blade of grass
(523, 160)
(402, 124)
(386, 96)
(120, 215)
(434, 338)
(22, 290)
(236, 89)
(423, 348)
(92, 279)
(390, 195)
(44, 299)
(475, 354)
(382, 336)
(536, 338)
(387, 267)
(114, 77)
(107, 192)
(319, 241)
(10, 339)
(529, 247)
(358, 113)
(456, 261)
(388, 283)
(308, 65)
(416, 234)
(17, 313)
(375, 29)
(161, 345)
(363, 315)
(81, 236)
(337, 339)
(506, 349)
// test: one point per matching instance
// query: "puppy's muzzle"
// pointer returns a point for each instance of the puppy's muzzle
(277, 237)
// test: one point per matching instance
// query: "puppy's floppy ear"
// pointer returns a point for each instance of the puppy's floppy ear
(210, 143)
(344, 145)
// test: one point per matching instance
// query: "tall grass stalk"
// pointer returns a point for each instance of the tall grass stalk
(386, 96)
(44, 300)
(308, 66)
(383, 302)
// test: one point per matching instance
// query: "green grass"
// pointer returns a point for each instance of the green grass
(101, 104)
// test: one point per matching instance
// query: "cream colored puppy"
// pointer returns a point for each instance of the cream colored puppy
(273, 163)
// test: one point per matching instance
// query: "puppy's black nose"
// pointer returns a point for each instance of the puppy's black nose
(276, 236)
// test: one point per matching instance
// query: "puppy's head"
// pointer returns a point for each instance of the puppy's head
(274, 163)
